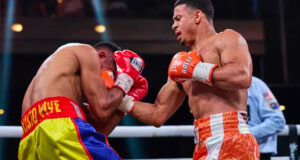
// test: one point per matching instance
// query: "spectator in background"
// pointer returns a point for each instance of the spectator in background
(265, 117)
(71, 8)
(117, 8)
(3, 5)
(4, 8)
(36, 8)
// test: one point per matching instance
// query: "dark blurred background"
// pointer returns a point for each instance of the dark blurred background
(271, 28)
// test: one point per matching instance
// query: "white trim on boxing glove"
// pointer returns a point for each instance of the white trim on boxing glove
(203, 72)
(127, 104)
(124, 82)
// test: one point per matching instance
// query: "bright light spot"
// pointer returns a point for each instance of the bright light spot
(59, 1)
(282, 107)
(100, 28)
(17, 27)
(1, 111)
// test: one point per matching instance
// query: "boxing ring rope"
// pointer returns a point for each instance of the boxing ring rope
(136, 131)
(150, 131)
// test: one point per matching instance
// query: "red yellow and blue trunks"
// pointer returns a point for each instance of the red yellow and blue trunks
(225, 136)
(55, 128)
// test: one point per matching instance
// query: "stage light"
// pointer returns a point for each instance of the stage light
(282, 107)
(100, 28)
(60, 1)
(99, 15)
(17, 27)
(1, 111)
(5, 66)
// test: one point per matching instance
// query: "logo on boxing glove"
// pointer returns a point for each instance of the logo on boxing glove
(186, 64)
(129, 67)
(136, 63)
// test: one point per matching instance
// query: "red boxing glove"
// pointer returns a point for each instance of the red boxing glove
(139, 89)
(136, 93)
(130, 66)
(189, 66)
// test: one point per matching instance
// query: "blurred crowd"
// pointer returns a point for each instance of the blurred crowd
(84, 8)
(225, 9)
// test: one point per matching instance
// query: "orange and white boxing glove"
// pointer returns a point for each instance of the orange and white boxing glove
(108, 78)
(129, 66)
(136, 93)
(189, 66)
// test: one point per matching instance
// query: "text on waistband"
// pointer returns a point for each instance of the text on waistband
(40, 111)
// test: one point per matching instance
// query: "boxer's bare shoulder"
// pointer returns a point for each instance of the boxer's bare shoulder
(230, 39)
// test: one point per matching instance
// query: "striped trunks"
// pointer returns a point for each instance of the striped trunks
(225, 136)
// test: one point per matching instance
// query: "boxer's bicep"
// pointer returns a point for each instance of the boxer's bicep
(236, 64)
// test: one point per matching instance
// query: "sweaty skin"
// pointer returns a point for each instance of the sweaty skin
(230, 80)
(73, 71)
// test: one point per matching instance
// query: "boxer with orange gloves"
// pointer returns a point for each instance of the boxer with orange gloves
(215, 75)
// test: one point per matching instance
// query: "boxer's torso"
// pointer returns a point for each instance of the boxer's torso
(57, 76)
(206, 100)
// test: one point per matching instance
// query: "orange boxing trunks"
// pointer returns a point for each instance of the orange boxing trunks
(55, 128)
(225, 136)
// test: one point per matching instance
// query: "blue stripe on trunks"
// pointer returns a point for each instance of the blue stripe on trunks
(95, 142)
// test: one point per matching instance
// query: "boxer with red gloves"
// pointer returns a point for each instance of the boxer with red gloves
(86, 127)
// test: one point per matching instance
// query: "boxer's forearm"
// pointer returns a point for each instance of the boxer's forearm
(148, 113)
(168, 100)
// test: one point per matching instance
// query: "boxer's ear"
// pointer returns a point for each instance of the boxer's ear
(101, 54)
(198, 16)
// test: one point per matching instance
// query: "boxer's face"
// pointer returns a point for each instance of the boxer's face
(106, 59)
(183, 24)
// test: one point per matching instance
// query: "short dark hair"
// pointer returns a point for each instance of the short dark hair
(112, 46)
(205, 6)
